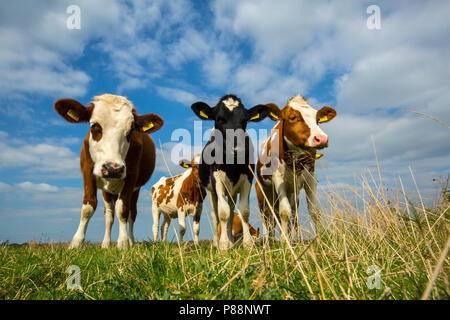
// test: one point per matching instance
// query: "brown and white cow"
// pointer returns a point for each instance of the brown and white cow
(237, 230)
(176, 197)
(287, 159)
(117, 156)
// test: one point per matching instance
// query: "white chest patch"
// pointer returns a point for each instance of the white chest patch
(113, 186)
(230, 103)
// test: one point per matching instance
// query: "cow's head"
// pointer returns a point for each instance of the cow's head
(193, 164)
(113, 122)
(230, 120)
(301, 123)
(230, 113)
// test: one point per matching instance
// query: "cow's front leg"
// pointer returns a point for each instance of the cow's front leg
(244, 212)
(214, 216)
(285, 209)
(132, 216)
(122, 212)
(310, 186)
(109, 201)
(87, 211)
(225, 216)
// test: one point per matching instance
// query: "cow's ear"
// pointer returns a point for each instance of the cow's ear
(185, 163)
(73, 111)
(149, 123)
(258, 113)
(275, 112)
(325, 114)
(203, 111)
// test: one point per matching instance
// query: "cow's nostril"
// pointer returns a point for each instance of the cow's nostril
(320, 140)
(112, 170)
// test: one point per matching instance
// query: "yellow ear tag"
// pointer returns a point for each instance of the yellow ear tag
(73, 115)
(274, 116)
(202, 114)
(318, 156)
(185, 165)
(323, 119)
(255, 117)
(148, 127)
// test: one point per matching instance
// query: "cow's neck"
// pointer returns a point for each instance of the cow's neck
(297, 159)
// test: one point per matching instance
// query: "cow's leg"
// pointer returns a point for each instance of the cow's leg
(225, 216)
(132, 216)
(165, 227)
(181, 222)
(285, 210)
(244, 212)
(197, 215)
(122, 213)
(109, 201)
(156, 214)
(310, 186)
(87, 211)
(214, 215)
(263, 209)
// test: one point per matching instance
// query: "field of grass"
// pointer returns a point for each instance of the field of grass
(406, 244)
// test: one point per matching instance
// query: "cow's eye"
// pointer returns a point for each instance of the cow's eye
(292, 118)
(96, 131)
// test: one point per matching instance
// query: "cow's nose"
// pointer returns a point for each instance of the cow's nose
(112, 170)
(320, 140)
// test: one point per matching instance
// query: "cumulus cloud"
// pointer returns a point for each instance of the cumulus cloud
(40, 157)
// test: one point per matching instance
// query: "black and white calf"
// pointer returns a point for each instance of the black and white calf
(224, 166)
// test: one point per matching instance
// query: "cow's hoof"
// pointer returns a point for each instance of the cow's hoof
(122, 243)
(106, 244)
(225, 245)
(76, 243)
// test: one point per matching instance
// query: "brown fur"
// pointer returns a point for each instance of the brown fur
(237, 228)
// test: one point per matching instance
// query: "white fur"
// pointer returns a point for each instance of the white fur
(230, 103)
(114, 115)
(123, 239)
(309, 115)
(87, 211)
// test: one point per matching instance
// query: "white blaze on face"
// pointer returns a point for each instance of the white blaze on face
(114, 115)
(230, 103)
(309, 115)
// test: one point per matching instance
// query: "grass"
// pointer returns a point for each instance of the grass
(407, 243)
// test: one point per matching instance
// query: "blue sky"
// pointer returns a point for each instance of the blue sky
(165, 55)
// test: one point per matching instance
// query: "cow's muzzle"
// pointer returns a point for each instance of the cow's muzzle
(113, 170)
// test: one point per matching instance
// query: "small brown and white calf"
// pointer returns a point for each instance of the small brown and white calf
(176, 197)
(117, 156)
(286, 162)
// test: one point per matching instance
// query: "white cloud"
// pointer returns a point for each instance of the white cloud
(39, 157)
(37, 187)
